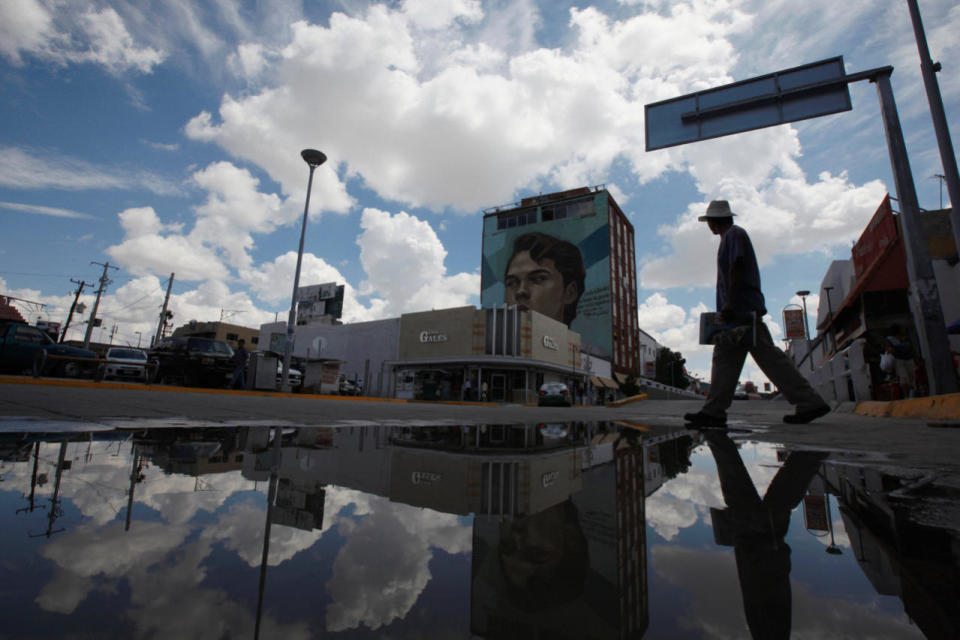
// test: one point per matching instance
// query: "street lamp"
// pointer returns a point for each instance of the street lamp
(314, 159)
(803, 293)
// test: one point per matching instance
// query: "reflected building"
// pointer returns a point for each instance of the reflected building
(559, 544)
(905, 535)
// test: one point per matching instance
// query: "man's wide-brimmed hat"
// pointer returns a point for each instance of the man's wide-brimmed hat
(717, 209)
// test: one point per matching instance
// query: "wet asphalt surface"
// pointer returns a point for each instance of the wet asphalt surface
(30, 405)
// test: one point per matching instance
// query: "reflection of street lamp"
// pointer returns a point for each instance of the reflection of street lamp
(832, 549)
(314, 159)
(803, 293)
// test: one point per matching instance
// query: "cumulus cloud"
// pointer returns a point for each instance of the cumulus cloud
(785, 216)
(147, 250)
(495, 119)
(404, 262)
(25, 26)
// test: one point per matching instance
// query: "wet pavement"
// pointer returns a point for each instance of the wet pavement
(128, 513)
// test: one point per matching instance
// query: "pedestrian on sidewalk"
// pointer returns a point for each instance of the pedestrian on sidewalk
(239, 360)
(740, 302)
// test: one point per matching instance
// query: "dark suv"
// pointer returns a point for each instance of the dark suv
(192, 361)
(22, 347)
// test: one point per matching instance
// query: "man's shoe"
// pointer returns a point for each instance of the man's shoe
(803, 417)
(705, 420)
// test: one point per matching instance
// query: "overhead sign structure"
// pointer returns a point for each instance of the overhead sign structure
(809, 91)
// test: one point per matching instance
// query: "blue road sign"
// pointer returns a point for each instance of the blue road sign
(808, 91)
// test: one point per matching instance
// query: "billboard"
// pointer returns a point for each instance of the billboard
(793, 327)
(317, 300)
(553, 257)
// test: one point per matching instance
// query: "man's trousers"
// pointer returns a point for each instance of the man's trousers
(728, 363)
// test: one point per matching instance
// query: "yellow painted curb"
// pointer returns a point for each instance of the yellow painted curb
(91, 384)
(935, 407)
(620, 403)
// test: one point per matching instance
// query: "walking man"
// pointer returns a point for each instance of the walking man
(740, 301)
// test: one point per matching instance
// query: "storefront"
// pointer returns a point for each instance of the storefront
(502, 354)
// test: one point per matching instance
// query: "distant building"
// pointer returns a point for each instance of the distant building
(432, 354)
(586, 236)
(648, 348)
(229, 333)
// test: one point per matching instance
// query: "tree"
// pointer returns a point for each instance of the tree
(629, 386)
(670, 369)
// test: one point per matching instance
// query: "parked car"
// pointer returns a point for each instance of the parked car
(22, 346)
(125, 363)
(192, 361)
(555, 393)
(347, 387)
(294, 376)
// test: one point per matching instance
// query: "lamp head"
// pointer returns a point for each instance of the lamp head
(803, 292)
(313, 157)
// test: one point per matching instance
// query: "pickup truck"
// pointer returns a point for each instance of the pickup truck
(22, 346)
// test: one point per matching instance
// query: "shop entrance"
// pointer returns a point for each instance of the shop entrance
(498, 387)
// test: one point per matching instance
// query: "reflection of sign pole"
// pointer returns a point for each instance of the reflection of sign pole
(810, 91)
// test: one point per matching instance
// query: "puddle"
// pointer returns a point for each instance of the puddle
(564, 530)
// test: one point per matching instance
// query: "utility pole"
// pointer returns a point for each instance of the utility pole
(949, 160)
(924, 295)
(163, 312)
(113, 333)
(80, 285)
(104, 281)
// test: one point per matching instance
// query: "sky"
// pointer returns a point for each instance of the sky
(163, 137)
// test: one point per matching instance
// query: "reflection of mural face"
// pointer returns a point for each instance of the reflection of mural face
(538, 286)
(543, 557)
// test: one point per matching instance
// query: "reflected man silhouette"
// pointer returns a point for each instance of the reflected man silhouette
(756, 528)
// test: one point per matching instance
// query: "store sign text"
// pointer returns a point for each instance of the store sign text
(550, 478)
(426, 477)
(432, 336)
(550, 343)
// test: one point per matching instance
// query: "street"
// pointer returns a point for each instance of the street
(40, 405)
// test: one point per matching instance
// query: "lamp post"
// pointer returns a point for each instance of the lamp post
(803, 293)
(314, 159)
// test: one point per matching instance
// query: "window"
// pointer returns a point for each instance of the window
(232, 336)
(511, 219)
(31, 334)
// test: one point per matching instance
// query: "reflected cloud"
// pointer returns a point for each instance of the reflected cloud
(384, 565)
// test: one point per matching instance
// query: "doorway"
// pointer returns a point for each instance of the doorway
(498, 387)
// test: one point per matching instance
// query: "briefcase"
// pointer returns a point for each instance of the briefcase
(741, 334)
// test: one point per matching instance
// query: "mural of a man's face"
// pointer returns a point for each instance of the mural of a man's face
(538, 286)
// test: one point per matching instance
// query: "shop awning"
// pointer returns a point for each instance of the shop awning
(600, 381)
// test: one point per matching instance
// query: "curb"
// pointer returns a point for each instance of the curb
(936, 407)
(90, 384)
(620, 403)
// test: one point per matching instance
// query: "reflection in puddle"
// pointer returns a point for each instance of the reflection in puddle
(567, 530)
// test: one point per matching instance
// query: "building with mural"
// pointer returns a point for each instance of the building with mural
(569, 256)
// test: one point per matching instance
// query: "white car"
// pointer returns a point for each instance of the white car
(295, 376)
(125, 363)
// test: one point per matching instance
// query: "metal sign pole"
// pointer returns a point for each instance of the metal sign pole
(924, 295)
